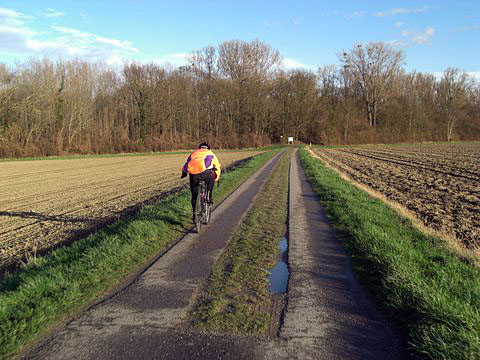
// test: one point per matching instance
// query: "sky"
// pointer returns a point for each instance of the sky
(434, 35)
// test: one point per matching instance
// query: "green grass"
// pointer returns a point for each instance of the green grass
(432, 293)
(236, 297)
(52, 288)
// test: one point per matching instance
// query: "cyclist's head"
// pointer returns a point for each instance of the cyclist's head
(204, 146)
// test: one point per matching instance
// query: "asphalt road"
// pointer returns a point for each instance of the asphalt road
(328, 316)
(145, 319)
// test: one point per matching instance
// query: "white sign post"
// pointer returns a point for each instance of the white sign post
(290, 139)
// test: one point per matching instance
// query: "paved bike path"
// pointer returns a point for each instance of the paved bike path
(328, 315)
(143, 320)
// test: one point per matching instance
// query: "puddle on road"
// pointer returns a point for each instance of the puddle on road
(278, 279)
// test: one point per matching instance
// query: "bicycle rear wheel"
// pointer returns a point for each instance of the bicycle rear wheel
(208, 209)
(197, 213)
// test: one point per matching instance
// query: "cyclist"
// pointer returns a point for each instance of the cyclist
(202, 164)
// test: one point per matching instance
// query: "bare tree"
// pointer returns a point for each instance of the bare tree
(372, 66)
(250, 66)
(232, 95)
(6, 92)
(204, 63)
(452, 97)
(240, 60)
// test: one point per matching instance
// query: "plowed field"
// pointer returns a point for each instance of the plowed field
(44, 203)
(439, 183)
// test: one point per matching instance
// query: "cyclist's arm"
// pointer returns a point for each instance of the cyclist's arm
(218, 167)
(185, 167)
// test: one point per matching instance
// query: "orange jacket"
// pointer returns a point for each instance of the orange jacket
(201, 160)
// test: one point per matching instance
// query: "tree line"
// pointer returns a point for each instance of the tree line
(234, 95)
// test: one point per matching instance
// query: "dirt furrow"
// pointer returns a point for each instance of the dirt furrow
(47, 202)
(444, 201)
(410, 162)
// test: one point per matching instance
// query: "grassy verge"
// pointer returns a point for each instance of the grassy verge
(433, 294)
(54, 287)
(236, 297)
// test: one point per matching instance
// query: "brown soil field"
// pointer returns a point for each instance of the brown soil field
(439, 183)
(44, 203)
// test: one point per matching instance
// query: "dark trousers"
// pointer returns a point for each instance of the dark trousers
(194, 185)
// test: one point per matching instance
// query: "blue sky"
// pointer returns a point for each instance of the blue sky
(434, 35)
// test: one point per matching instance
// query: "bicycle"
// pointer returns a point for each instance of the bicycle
(203, 209)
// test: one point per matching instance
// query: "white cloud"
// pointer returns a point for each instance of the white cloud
(13, 30)
(474, 74)
(52, 13)
(356, 15)
(127, 45)
(82, 36)
(397, 43)
(20, 40)
(424, 37)
(13, 20)
(329, 13)
(78, 43)
(73, 32)
(296, 20)
(291, 64)
(176, 59)
(55, 47)
(398, 24)
(272, 24)
(419, 37)
(18, 30)
(398, 11)
(12, 15)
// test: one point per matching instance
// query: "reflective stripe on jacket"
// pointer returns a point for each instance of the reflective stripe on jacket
(201, 160)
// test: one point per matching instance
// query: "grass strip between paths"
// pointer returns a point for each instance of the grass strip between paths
(430, 291)
(53, 287)
(236, 297)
